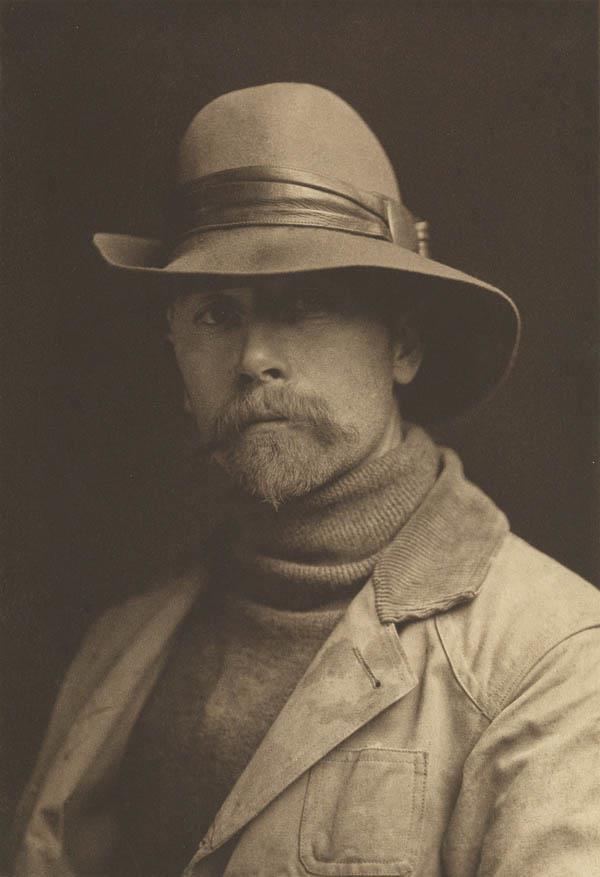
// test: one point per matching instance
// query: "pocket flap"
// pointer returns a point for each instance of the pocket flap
(363, 812)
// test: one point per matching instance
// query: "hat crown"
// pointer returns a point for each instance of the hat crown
(286, 124)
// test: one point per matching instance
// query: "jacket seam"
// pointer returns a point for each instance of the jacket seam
(463, 686)
(482, 570)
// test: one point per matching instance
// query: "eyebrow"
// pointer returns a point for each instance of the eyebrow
(208, 294)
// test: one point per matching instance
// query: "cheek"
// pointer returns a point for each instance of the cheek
(208, 380)
(356, 374)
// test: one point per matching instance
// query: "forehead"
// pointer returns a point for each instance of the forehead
(261, 286)
(342, 291)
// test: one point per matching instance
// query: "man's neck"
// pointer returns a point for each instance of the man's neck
(393, 435)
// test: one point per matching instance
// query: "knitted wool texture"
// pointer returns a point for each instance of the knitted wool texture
(280, 584)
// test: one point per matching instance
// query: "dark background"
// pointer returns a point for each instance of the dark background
(489, 114)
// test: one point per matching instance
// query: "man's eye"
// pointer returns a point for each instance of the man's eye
(216, 314)
(310, 302)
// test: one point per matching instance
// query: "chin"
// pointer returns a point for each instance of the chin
(276, 467)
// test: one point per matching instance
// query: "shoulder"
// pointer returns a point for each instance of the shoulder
(119, 622)
(102, 646)
(110, 635)
(535, 592)
(528, 606)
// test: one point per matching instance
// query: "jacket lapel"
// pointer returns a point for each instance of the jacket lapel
(359, 672)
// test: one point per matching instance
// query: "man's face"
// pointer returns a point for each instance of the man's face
(290, 382)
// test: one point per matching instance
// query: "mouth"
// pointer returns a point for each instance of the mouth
(265, 421)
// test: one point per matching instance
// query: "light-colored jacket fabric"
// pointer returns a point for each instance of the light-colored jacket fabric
(464, 744)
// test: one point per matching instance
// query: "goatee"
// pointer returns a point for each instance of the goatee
(299, 448)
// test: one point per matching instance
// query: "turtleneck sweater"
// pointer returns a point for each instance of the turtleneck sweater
(280, 581)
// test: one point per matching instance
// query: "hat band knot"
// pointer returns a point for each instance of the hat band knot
(271, 195)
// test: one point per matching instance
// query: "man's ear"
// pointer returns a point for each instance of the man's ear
(408, 352)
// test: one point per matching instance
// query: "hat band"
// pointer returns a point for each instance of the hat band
(271, 195)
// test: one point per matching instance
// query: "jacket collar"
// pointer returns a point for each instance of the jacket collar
(441, 556)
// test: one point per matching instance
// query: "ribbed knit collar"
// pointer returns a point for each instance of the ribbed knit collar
(440, 557)
(321, 548)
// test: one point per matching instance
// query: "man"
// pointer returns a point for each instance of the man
(367, 674)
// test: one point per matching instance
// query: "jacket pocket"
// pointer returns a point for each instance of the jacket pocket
(363, 812)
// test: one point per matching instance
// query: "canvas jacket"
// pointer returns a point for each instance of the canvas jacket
(461, 738)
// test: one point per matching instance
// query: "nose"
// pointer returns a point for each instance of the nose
(262, 357)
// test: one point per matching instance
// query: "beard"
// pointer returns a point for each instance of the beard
(280, 461)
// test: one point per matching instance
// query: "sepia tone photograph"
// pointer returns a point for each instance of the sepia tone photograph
(301, 439)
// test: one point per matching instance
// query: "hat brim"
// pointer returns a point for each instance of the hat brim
(471, 331)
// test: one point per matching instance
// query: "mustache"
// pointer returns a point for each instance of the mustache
(271, 403)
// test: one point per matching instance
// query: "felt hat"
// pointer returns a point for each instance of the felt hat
(287, 178)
